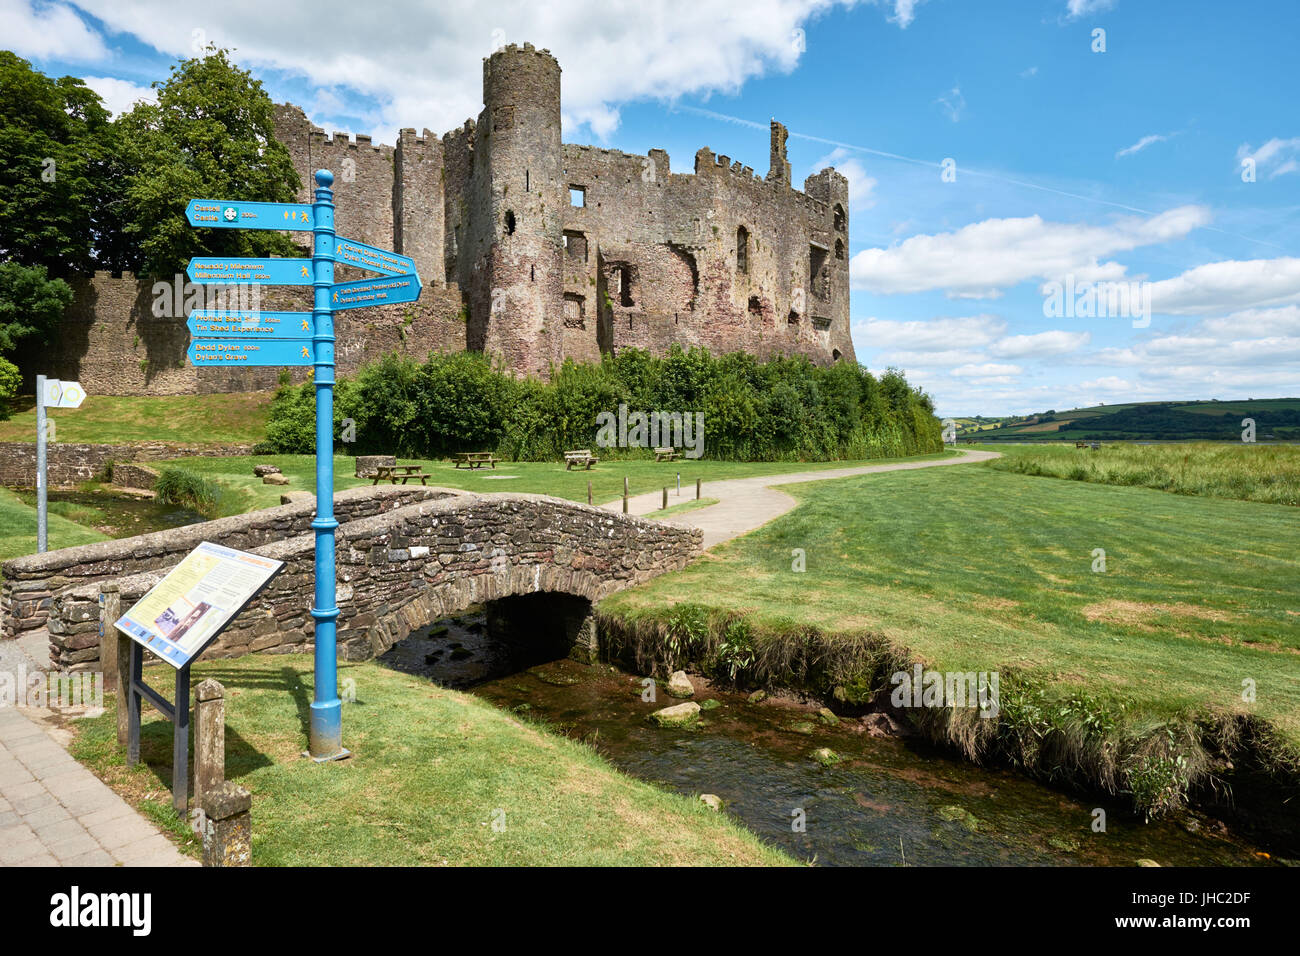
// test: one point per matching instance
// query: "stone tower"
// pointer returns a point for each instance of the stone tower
(522, 191)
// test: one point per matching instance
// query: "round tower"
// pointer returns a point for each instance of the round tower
(523, 168)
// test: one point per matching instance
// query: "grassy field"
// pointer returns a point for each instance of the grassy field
(1250, 472)
(433, 770)
(18, 527)
(244, 492)
(1170, 421)
(238, 418)
(1115, 676)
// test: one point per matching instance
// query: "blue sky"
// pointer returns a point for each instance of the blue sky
(1069, 164)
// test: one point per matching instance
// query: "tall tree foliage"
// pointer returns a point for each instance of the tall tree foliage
(211, 134)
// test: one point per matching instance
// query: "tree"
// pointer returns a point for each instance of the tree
(31, 303)
(10, 380)
(210, 135)
(56, 141)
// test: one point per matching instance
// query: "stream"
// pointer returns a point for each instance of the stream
(887, 802)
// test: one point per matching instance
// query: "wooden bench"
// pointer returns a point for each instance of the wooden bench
(475, 459)
(666, 454)
(581, 456)
(406, 472)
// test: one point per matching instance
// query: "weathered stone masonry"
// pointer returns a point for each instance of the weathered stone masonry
(529, 248)
(401, 569)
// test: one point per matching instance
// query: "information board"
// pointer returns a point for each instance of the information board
(186, 610)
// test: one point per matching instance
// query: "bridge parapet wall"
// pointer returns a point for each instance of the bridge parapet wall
(405, 568)
(32, 582)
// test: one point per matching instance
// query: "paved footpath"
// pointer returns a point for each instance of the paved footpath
(55, 812)
(748, 503)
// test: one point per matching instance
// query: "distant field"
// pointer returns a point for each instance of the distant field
(1153, 421)
(236, 418)
(1250, 472)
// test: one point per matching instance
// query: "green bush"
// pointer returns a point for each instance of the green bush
(10, 381)
(176, 486)
(785, 409)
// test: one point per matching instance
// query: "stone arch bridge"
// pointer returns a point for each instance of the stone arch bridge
(405, 556)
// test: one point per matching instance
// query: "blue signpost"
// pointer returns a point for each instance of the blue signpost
(299, 338)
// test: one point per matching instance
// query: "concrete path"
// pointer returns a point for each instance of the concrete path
(748, 503)
(55, 812)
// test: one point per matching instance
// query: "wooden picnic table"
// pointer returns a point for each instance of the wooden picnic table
(475, 459)
(666, 454)
(580, 456)
(405, 472)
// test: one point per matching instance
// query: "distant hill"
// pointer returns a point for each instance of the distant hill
(1275, 419)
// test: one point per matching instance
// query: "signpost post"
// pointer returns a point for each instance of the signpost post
(50, 393)
(299, 338)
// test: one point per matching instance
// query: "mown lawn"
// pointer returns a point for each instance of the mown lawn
(18, 527)
(977, 569)
(437, 778)
(245, 492)
(237, 418)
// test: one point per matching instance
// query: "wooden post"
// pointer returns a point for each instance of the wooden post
(665, 504)
(625, 494)
(110, 609)
(589, 492)
(209, 738)
(697, 489)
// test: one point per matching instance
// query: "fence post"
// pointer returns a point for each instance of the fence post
(697, 489)
(589, 492)
(209, 739)
(110, 609)
(625, 494)
(227, 826)
(665, 504)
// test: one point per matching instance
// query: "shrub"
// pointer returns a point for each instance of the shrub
(176, 486)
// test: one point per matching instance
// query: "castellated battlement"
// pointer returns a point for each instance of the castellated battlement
(530, 249)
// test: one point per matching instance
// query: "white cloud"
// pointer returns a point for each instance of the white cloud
(1228, 286)
(1074, 9)
(904, 12)
(1278, 156)
(1141, 144)
(1055, 342)
(861, 186)
(119, 95)
(952, 103)
(1026, 74)
(49, 30)
(974, 331)
(983, 257)
(424, 64)
(989, 370)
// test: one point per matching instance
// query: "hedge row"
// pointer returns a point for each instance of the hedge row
(786, 409)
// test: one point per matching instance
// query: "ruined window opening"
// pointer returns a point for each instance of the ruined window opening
(575, 311)
(792, 318)
(578, 196)
(835, 354)
(816, 260)
(839, 248)
(821, 323)
(526, 189)
(575, 245)
(755, 306)
(532, 273)
(841, 221)
(510, 222)
(621, 279)
(742, 250)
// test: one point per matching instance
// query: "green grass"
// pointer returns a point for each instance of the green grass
(1250, 472)
(977, 569)
(18, 526)
(692, 505)
(236, 418)
(432, 769)
(244, 492)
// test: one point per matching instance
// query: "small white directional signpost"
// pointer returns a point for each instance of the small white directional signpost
(50, 393)
(255, 338)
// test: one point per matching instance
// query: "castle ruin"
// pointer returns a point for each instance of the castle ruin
(529, 248)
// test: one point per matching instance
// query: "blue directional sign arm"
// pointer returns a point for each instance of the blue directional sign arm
(232, 270)
(233, 214)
